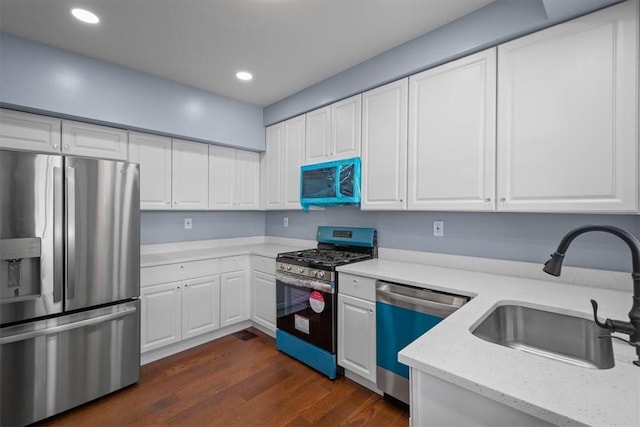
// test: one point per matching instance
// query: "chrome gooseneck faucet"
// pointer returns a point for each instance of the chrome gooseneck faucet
(631, 328)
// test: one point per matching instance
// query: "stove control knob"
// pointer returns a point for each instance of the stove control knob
(300, 270)
(281, 266)
(321, 274)
(288, 268)
(314, 273)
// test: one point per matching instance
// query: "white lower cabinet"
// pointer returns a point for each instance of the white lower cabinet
(357, 336)
(178, 301)
(179, 310)
(234, 305)
(161, 322)
(264, 300)
(440, 403)
(357, 326)
(200, 306)
(263, 293)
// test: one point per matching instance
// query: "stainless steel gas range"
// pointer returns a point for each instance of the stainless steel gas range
(307, 290)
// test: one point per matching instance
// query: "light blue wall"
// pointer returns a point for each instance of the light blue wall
(167, 227)
(489, 26)
(509, 236)
(38, 78)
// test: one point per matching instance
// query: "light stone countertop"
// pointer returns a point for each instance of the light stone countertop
(553, 391)
(270, 250)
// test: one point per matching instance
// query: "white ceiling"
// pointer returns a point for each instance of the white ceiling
(288, 45)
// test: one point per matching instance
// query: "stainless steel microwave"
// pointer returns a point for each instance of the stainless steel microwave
(330, 183)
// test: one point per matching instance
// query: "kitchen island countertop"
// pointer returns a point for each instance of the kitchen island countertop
(556, 392)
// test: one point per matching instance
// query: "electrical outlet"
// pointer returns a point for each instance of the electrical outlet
(438, 228)
(285, 221)
(188, 224)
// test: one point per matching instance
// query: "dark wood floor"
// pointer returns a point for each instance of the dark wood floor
(237, 380)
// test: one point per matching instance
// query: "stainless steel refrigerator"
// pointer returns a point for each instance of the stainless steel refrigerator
(69, 282)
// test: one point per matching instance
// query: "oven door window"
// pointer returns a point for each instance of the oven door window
(307, 314)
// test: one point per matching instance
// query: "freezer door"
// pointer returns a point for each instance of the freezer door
(31, 236)
(53, 365)
(103, 232)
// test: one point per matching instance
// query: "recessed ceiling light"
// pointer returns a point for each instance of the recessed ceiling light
(244, 75)
(85, 16)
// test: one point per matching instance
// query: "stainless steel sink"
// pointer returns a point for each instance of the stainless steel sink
(556, 336)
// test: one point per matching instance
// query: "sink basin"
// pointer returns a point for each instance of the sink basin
(560, 337)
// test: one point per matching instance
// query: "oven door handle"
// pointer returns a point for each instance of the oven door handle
(299, 282)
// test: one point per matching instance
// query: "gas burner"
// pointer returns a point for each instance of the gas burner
(324, 257)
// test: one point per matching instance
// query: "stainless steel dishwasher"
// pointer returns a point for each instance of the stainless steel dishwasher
(403, 313)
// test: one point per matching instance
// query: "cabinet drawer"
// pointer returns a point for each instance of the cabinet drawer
(160, 274)
(205, 267)
(178, 271)
(357, 286)
(264, 264)
(233, 263)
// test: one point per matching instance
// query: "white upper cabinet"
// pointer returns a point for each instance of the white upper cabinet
(318, 135)
(83, 139)
(32, 132)
(153, 153)
(271, 167)
(568, 116)
(334, 132)
(452, 135)
(222, 178)
(234, 178)
(281, 164)
(190, 175)
(293, 157)
(384, 147)
(346, 127)
(247, 180)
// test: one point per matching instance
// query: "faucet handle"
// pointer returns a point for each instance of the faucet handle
(606, 324)
(612, 325)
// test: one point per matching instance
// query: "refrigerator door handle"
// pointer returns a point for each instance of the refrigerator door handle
(71, 233)
(69, 326)
(58, 234)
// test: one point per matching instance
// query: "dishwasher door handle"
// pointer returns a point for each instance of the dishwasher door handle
(421, 305)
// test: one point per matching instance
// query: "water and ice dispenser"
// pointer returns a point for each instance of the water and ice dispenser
(20, 269)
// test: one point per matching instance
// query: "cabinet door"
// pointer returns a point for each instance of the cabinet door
(161, 315)
(568, 116)
(200, 306)
(247, 180)
(384, 147)
(264, 300)
(318, 135)
(233, 298)
(83, 139)
(190, 173)
(271, 164)
(292, 159)
(29, 132)
(153, 153)
(222, 177)
(357, 336)
(346, 116)
(452, 135)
